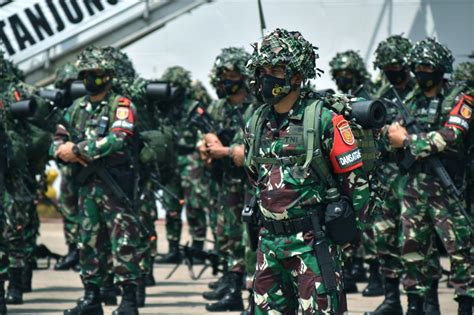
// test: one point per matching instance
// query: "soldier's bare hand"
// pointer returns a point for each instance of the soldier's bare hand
(64, 152)
(216, 150)
(238, 155)
(396, 135)
(211, 138)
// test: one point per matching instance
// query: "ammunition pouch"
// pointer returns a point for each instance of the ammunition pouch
(340, 222)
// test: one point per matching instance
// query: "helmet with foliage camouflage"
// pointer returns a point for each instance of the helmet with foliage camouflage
(199, 93)
(178, 76)
(123, 66)
(282, 47)
(464, 73)
(393, 50)
(93, 58)
(431, 52)
(349, 60)
(231, 59)
(64, 74)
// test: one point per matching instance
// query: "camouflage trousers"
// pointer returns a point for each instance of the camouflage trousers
(3, 241)
(387, 226)
(21, 222)
(148, 215)
(426, 210)
(173, 208)
(288, 277)
(230, 228)
(108, 229)
(68, 205)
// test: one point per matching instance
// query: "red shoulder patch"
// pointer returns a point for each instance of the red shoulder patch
(461, 114)
(345, 156)
(123, 101)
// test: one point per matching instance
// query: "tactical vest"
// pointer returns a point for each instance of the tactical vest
(313, 157)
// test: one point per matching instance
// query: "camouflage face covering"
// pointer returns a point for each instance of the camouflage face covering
(393, 50)
(230, 59)
(290, 49)
(93, 58)
(64, 74)
(430, 52)
(349, 61)
(178, 76)
(464, 73)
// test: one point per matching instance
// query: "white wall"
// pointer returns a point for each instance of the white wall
(194, 40)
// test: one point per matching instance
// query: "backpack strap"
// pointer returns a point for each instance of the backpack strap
(312, 142)
(255, 125)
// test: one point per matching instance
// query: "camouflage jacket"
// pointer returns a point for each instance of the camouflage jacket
(445, 121)
(284, 190)
(99, 129)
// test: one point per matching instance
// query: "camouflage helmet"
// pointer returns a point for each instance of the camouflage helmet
(282, 47)
(431, 52)
(349, 60)
(64, 74)
(93, 58)
(393, 50)
(8, 70)
(232, 59)
(178, 76)
(464, 73)
(122, 64)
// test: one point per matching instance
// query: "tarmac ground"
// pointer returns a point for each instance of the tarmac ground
(54, 291)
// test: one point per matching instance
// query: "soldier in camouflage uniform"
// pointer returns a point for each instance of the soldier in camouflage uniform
(445, 115)
(230, 76)
(288, 273)
(349, 72)
(28, 159)
(65, 75)
(186, 176)
(99, 129)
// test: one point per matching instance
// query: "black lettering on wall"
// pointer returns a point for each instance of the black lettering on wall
(78, 16)
(4, 39)
(39, 22)
(95, 3)
(21, 33)
(57, 17)
(112, 2)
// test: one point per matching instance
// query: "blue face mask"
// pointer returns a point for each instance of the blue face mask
(272, 89)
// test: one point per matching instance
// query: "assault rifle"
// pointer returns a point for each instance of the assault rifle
(190, 254)
(199, 118)
(433, 161)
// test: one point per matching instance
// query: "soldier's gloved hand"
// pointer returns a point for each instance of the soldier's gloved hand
(396, 135)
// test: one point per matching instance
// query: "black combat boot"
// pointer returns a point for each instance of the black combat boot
(232, 300)
(464, 305)
(15, 293)
(350, 285)
(109, 293)
(221, 290)
(198, 246)
(214, 284)
(431, 303)
(141, 291)
(173, 256)
(391, 304)
(150, 278)
(27, 277)
(70, 261)
(128, 305)
(358, 271)
(89, 304)
(415, 304)
(3, 305)
(375, 285)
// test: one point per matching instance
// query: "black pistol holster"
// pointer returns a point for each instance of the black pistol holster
(251, 218)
